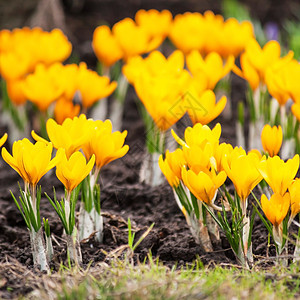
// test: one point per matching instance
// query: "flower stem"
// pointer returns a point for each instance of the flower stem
(38, 250)
(73, 246)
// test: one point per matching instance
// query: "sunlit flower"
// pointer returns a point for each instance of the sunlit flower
(220, 151)
(66, 76)
(71, 135)
(155, 64)
(203, 185)
(162, 96)
(200, 158)
(104, 144)
(171, 166)
(106, 46)
(187, 32)
(154, 22)
(255, 61)
(199, 135)
(71, 171)
(93, 87)
(271, 138)
(41, 88)
(278, 81)
(241, 169)
(210, 33)
(55, 45)
(234, 37)
(205, 108)
(134, 39)
(31, 161)
(209, 69)
(277, 173)
(160, 83)
(276, 208)
(23, 48)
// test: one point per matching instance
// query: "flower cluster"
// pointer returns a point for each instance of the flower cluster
(32, 161)
(199, 169)
(210, 33)
(129, 38)
(160, 83)
(19, 55)
(62, 83)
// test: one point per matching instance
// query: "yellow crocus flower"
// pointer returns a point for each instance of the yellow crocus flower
(55, 45)
(203, 185)
(31, 161)
(66, 76)
(171, 166)
(199, 158)
(200, 134)
(71, 171)
(209, 69)
(165, 168)
(234, 37)
(20, 54)
(71, 135)
(160, 83)
(277, 173)
(271, 139)
(255, 61)
(241, 169)
(154, 64)
(207, 109)
(162, 96)
(278, 80)
(294, 190)
(276, 208)
(210, 33)
(220, 151)
(155, 23)
(99, 127)
(134, 39)
(41, 87)
(104, 144)
(187, 32)
(93, 87)
(106, 46)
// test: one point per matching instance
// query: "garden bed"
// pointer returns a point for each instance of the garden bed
(123, 196)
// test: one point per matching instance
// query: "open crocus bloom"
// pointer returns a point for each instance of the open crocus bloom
(71, 171)
(203, 185)
(277, 173)
(271, 138)
(241, 169)
(276, 208)
(31, 161)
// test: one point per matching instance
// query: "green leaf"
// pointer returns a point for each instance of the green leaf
(195, 205)
(46, 227)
